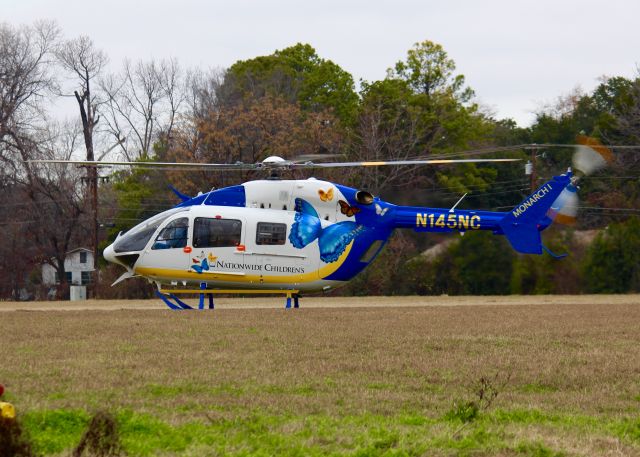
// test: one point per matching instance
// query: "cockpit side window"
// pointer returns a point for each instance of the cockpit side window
(137, 238)
(212, 233)
(174, 235)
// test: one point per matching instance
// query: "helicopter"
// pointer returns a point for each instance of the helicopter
(296, 236)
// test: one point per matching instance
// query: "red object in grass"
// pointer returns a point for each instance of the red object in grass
(1, 390)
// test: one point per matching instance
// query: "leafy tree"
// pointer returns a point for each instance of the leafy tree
(429, 71)
(386, 275)
(613, 260)
(390, 127)
(296, 74)
(543, 274)
(477, 264)
(596, 114)
(135, 195)
(421, 108)
(250, 132)
(445, 103)
(483, 264)
(628, 117)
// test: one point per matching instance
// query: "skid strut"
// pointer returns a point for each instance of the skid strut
(203, 286)
(172, 301)
(296, 300)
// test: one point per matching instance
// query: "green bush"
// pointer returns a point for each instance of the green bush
(613, 261)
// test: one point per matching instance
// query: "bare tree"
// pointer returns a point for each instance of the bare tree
(25, 80)
(45, 217)
(85, 62)
(81, 58)
(142, 103)
(202, 89)
(58, 206)
(386, 134)
(173, 87)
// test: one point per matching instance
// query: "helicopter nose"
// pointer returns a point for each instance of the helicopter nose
(109, 254)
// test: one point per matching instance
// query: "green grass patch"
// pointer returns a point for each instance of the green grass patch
(536, 449)
(627, 429)
(405, 434)
(538, 388)
(54, 431)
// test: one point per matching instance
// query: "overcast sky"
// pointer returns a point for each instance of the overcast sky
(515, 54)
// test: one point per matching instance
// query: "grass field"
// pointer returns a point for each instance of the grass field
(364, 376)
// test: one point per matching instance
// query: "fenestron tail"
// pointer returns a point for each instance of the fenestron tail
(523, 224)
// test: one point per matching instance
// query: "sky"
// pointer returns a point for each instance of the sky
(518, 55)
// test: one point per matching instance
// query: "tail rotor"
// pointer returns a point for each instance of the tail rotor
(589, 156)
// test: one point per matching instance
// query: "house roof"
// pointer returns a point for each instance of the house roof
(79, 249)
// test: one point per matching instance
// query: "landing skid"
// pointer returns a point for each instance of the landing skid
(552, 254)
(169, 300)
(173, 302)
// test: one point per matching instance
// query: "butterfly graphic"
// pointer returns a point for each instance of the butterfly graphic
(326, 196)
(348, 210)
(381, 211)
(332, 240)
(201, 263)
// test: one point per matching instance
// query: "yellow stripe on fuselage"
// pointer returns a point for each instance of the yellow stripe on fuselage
(316, 275)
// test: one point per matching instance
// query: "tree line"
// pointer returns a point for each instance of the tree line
(295, 104)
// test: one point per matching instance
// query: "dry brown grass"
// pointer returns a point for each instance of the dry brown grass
(578, 357)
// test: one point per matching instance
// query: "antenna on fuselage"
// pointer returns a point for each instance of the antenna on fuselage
(458, 202)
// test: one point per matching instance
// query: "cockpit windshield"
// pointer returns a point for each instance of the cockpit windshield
(137, 238)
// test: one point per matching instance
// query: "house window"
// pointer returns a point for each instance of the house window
(271, 233)
(69, 276)
(213, 233)
(83, 256)
(86, 278)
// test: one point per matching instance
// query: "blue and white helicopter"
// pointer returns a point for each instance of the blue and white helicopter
(308, 235)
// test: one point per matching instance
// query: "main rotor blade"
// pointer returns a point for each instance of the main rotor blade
(297, 163)
(557, 145)
(166, 165)
(284, 165)
(396, 162)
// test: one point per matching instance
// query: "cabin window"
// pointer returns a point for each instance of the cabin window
(216, 233)
(83, 256)
(174, 235)
(271, 233)
(371, 253)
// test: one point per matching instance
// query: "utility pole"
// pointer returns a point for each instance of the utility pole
(92, 181)
(81, 59)
(534, 151)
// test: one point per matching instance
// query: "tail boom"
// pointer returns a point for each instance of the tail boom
(522, 225)
(423, 219)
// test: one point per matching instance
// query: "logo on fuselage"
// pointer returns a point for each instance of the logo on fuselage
(451, 221)
(524, 206)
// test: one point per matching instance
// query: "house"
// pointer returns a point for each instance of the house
(78, 266)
